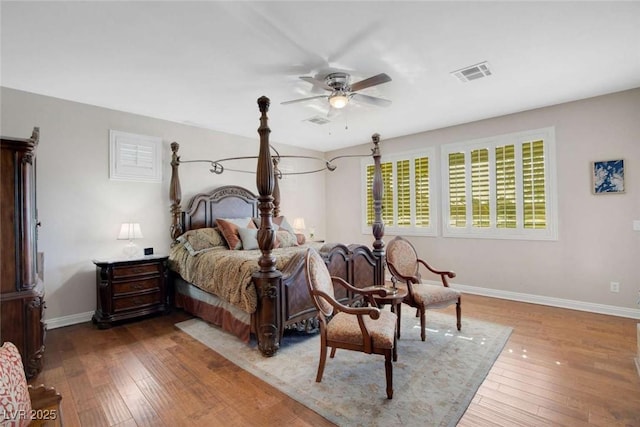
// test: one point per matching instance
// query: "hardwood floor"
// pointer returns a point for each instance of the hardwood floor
(559, 367)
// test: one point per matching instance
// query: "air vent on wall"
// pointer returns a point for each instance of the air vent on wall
(472, 72)
(318, 120)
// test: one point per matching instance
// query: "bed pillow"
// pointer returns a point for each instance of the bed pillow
(201, 239)
(229, 229)
(249, 238)
(301, 238)
(284, 239)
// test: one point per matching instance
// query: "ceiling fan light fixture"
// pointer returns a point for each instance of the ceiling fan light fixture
(339, 100)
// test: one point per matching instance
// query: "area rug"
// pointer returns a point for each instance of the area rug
(434, 381)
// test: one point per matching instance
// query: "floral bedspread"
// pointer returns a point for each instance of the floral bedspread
(226, 273)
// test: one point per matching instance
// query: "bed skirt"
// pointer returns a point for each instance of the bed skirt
(212, 309)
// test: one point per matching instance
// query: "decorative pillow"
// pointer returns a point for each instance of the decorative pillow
(284, 239)
(282, 222)
(14, 392)
(301, 238)
(201, 239)
(229, 229)
(249, 238)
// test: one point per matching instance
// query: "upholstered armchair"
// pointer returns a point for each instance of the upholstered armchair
(22, 404)
(366, 329)
(404, 266)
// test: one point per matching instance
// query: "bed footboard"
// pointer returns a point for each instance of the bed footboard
(357, 264)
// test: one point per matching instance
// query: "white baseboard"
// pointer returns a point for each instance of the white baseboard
(611, 310)
(550, 301)
(72, 319)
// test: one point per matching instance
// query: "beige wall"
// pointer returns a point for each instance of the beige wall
(596, 242)
(81, 209)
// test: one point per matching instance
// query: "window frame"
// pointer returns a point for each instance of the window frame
(518, 139)
(412, 230)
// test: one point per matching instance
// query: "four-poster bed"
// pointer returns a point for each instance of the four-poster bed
(267, 292)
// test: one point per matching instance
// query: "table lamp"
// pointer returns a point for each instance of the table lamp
(130, 231)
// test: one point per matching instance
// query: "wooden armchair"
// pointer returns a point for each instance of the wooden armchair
(404, 266)
(366, 329)
(22, 404)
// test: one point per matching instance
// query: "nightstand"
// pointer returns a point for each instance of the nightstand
(130, 288)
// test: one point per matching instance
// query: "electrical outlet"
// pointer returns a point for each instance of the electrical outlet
(614, 286)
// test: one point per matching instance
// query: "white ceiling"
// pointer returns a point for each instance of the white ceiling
(206, 63)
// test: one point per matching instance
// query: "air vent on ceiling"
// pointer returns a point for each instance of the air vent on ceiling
(472, 72)
(318, 120)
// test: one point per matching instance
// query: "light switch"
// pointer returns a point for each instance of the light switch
(636, 225)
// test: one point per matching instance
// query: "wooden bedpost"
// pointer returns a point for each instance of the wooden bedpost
(276, 188)
(175, 194)
(268, 280)
(378, 225)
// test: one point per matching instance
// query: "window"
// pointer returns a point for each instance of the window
(407, 202)
(501, 187)
(135, 157)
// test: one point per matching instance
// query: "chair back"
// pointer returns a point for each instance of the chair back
(402, 257)
(318, 279)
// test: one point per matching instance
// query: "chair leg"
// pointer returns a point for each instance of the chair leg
(388, 368)
(333, 352)
(395, 349)
(323, 359)
(423, 322)
(459, 314)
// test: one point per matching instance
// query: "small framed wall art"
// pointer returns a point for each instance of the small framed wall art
(608, 177)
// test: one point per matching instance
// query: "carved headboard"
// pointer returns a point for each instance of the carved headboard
(230, 201)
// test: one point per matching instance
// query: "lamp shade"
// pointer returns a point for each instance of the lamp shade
(298, 224)
(130, 231)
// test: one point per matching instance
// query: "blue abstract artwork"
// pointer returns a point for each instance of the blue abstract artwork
(608, 176)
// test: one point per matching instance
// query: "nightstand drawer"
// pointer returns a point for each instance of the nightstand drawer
(136, 301)
(135, 286)
(125, 272)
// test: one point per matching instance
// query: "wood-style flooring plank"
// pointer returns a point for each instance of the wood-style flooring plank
(559, 367)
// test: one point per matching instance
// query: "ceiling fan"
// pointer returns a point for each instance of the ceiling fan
(342, 90)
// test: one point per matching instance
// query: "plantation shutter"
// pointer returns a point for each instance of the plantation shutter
(457, 191)
(421, 171)
(403, 174)
(506, 187)
(370, 212)
(533, 183)
(387, 197)
(480, 196)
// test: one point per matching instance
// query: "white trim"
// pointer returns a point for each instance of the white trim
(72, 319)
(134, 157)
(610, 310)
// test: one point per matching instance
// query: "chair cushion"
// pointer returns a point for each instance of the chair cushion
(345, 328)
(14, 393)
(433, 296)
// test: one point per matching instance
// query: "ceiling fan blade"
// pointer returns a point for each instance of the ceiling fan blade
(303, 99)
(317, 83)
(371, 81)
(379, 102)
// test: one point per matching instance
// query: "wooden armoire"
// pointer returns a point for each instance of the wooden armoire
(21, 285)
